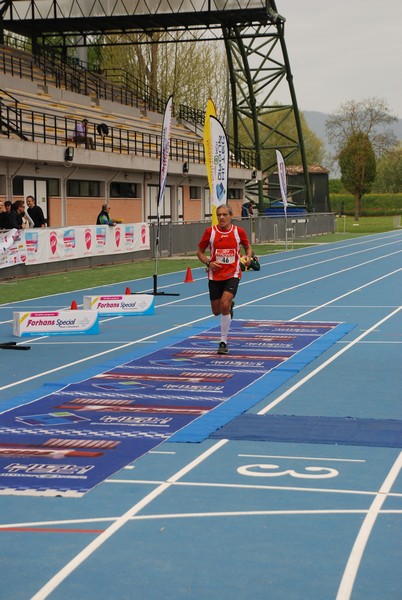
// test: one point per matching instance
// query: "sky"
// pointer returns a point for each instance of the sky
(342, 50)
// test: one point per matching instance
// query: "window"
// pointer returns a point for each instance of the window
(89, 189)
(235, 194)
(18, 186)
(53, 187)
(124, 190)
(152, 202)
(195, 192)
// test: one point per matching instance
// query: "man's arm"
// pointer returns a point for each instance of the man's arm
(203, 257)
(202, 246)
(248, 250)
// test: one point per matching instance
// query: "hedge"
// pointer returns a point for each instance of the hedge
(371, 205)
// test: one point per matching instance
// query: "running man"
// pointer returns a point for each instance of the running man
(223, 266)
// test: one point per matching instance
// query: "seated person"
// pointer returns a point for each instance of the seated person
(81, 135)
(104, 217)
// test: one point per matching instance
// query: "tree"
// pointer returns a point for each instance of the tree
(370, 116)
(389, 172)
(358, 167)
(274, 121)
(191, 71)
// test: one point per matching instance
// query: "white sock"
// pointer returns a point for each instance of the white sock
(225, 326)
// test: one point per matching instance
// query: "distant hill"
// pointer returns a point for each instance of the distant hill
(316, 122)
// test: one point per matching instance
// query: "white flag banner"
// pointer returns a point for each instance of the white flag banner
(282, 178)
(220, 163)
(165, 150)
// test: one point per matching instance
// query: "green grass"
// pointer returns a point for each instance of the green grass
(33, 287)
(365, 225)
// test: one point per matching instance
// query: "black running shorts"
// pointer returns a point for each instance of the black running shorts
(216, 288)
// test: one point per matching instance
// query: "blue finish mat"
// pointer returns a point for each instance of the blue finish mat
(73, 437)
(347, 431)
(200, 429)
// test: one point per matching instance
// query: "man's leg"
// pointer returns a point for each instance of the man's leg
(222, 307)
(226, 305)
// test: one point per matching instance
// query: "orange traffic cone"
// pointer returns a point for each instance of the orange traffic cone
(73, 305)
(189, 276)
(128, 291)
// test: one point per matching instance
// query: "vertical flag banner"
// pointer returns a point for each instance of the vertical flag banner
(220, 164)
(210, 112)
(282, 178)
(165, 150)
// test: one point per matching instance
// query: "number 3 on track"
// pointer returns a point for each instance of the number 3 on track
(262, 470)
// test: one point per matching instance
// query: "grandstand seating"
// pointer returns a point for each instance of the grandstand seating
(44, 100)
(48, 113)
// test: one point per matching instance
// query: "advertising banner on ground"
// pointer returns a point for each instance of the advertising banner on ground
(125, 305)
(58, 322)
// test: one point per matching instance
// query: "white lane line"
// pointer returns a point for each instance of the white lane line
(247, 486)
(58, 522)
(330, 360)
(59, 577)
(353, 564)
(386, 342)
(255, 513)
(358, 289)
(164, 516)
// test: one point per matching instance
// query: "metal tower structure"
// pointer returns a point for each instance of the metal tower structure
(253, 32)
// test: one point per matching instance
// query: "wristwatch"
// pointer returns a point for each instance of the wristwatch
(208, 263)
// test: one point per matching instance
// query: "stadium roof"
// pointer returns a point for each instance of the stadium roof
(38, 18)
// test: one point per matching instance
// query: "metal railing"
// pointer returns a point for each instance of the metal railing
(116, 85)
(150, 99)
(178, 239)
(36, 126)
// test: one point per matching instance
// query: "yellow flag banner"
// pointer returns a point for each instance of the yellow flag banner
(210, 112)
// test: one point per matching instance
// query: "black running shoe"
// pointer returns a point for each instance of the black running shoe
(223, 348)
(231, 309)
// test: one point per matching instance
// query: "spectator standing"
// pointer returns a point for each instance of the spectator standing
(247, 209)
(35, 212)
(104, 217)
(16, 215)
(3, 215)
